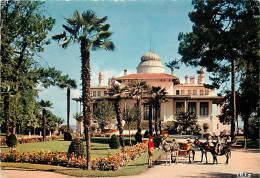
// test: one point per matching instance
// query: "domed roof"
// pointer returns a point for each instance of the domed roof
(150, 56)
(150, 63)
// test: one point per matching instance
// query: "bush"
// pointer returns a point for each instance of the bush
(114, 142)
(11, 140)
(77, 147)
(138, 137)
(146, 134)
(157, 140)
(67, 136)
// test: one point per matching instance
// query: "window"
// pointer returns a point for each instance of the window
(99, 93)
(146, 112)
(206, 92)
(94, 94)
(177, 92)
(179, 106)
(105, 93)
(201, 92)
(194, 92)
(217, 126)
(189, 92)
(204, 108)
(182, 92)
(192, 107)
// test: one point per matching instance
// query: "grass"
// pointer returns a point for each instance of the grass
(135, 167)
(100, 148)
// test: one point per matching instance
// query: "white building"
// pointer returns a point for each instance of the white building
(191, 95)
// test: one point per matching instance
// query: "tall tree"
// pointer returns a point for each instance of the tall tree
(224, 33)
(137, 90)
(104, 114)
(44, 104)
(91, 33)
(117, 92)
(130, 115)
(158, 96)
(66, 82)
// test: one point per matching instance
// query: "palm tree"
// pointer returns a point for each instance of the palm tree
(66, 82)
(44, 104)
(137, 89)
(91, 33)
(118, 92)
(158, 96)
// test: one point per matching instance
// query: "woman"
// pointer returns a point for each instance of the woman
(151, 148)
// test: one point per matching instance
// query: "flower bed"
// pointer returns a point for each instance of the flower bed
(32, 139)
(62, 159)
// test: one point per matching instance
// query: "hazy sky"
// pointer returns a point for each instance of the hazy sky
(133, 23)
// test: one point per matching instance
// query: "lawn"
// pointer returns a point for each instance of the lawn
(99, 148)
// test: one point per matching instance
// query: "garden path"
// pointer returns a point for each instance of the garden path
(242, 161)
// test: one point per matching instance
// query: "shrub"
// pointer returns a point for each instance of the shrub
(77, 147)
(138, 137)
(157, 140)
(11, 140)
(67, 136)
(146, 134)
(114, 142)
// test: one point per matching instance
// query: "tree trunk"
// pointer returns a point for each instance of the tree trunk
(157, 113)
(233, 120)
(119, 122)
(44, 123)
(150, 120)
(139, 120)
(85, 77)
(7, 113)
(68, 109)
(14, 128)
(130, 140)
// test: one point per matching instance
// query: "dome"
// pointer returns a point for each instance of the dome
(150, 63)
(150, 56)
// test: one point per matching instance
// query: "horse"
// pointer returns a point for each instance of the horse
(166, 147)
(204, 148)
(224, 151)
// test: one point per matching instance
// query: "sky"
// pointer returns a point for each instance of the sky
(137, 26)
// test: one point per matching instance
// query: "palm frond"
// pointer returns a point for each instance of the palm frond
(102, 20)
(59, 37)
(70, 30)
(104, 35)
(89, 16)
(104, 27)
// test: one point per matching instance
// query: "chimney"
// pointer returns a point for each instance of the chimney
(192, 80)
(125, 72)
(101, 78)
(201, 77)
(186, 80)
(172, 70)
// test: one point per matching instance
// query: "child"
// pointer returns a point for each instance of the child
(151, 148)
(219, 146)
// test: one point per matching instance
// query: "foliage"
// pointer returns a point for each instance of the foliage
(157, 140)
(78, 116)
(114, 142)
(138, 137)
(58, 158)
(186, 120)
(104, 114)
(146, 134)
(158, 96)
(77, 148)
(11, 140)
(67, 136)
(195, 129)
(24, 36)
(137, 90)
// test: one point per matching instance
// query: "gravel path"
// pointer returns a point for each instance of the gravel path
(242, 161)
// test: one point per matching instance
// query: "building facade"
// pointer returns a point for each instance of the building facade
(190, 95)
